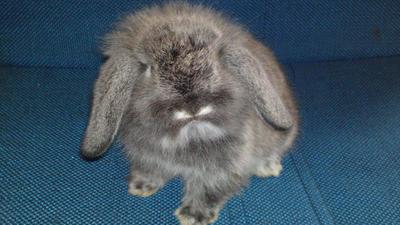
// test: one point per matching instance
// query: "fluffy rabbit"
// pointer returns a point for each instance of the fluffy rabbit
(193, 95)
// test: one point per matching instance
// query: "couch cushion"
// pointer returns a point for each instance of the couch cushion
(350, 141)
(68, 33)
(344, 169)
(43, 180)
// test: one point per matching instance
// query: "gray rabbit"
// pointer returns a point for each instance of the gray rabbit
(193, 95)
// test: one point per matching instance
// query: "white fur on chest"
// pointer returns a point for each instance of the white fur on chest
(193, 131)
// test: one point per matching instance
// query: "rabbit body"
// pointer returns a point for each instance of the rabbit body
(193, 95)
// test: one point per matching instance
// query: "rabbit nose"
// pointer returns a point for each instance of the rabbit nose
(184, 115)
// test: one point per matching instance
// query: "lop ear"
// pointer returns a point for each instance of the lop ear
(241, 63)
(110, 96)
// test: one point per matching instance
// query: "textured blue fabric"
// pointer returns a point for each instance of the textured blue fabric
(351, 130)
(43, 180)
(345, 169)
(68, 33)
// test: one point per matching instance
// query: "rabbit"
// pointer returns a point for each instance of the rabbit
(190, 94)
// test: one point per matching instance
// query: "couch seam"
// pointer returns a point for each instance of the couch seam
(323, 215)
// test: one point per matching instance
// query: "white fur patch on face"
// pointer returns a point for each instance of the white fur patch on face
(147, 73)
(193, 131)
(182, 115)
(205, 110)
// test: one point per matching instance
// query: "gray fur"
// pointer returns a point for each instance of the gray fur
(111, 95)
(181, 57)
(266, 99)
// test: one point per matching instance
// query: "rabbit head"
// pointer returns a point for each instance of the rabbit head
(178, 76)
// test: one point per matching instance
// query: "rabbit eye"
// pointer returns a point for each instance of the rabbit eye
(144, 69)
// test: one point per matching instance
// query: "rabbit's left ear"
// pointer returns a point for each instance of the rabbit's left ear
(241, 63)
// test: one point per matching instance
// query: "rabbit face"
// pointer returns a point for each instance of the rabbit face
(192, 110)
(186, 94)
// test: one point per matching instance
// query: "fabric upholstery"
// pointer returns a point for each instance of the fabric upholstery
(68, 33)
(342, 58)
(343, 170)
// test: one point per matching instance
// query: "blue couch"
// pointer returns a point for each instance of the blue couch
(342, 57)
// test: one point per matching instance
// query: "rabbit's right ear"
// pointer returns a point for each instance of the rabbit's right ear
(111, 95)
